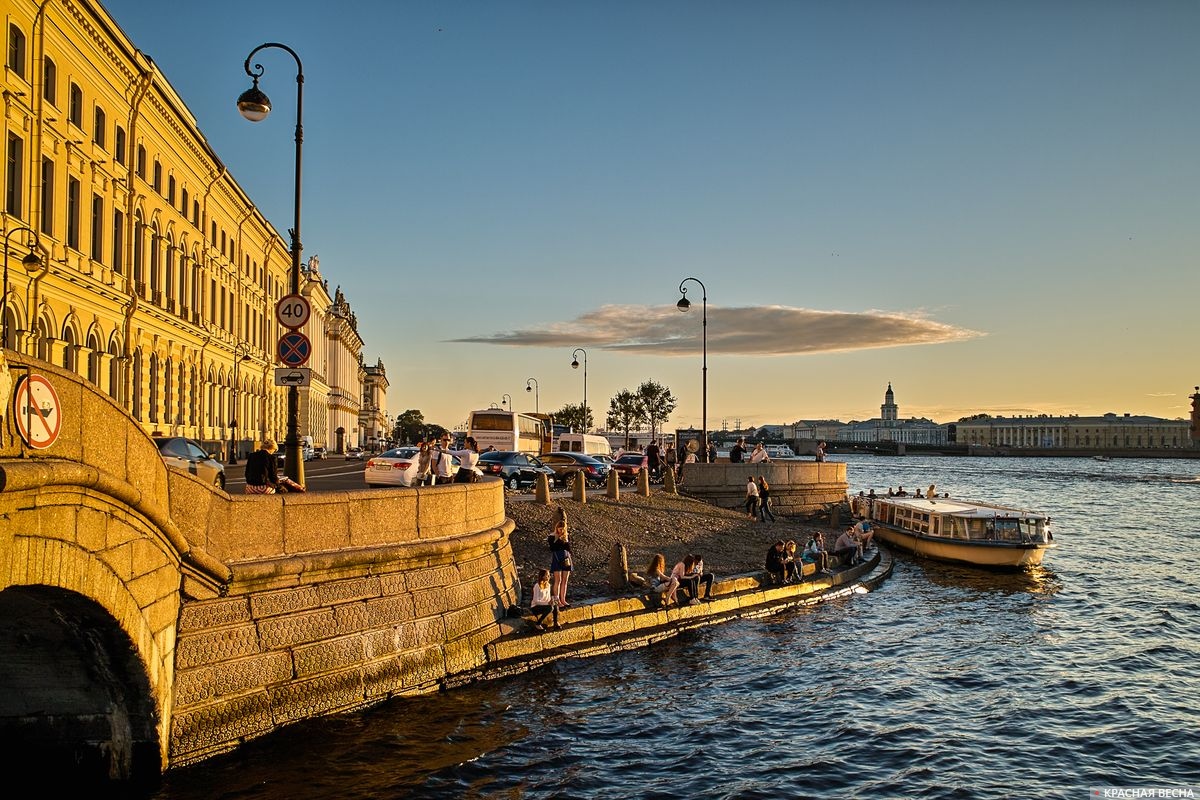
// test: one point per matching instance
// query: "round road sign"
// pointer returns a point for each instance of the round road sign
(37, 412)
(294, 349)
(293, 311)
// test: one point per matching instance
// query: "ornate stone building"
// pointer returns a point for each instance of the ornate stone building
(1107, 432)
(156, 277)
(889, 427)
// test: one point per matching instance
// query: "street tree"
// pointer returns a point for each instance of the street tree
(575, 416)
(625, 412)
(409, 426)
(657, 404)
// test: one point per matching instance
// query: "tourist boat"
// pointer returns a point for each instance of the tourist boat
(963, 531)
(775, 451)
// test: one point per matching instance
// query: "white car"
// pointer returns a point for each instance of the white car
(397, 467)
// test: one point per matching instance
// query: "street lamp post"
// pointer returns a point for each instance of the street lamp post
(29, 262)
(240, 353)
(533, 389)
(254, 105)
(684, 305)
(506, 401)
(575, 365)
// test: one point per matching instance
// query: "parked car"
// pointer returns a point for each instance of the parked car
(629, 465)
(568, 466)
(397, 467)
(516, 469)
(188, 455)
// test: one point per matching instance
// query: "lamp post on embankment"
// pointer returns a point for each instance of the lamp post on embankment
(534, 389)
(30, 261)
(683, 305)
(575, 365)
(254, 105)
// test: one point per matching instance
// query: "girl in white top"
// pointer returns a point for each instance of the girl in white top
(541, 603)
(751, 496)
(468, 471)
(759, 454)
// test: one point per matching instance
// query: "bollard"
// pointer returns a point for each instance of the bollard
(618, 567)
(835, 516)
(543, 489)
(643, 482)
(669, 481)
(579, 490)
(614, 485)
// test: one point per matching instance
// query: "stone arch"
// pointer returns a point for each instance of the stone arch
(71, 336)
(80, 709)
(43, 334)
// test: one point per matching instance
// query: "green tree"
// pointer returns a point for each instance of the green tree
(625, 412)
(657, 404)
(575, 416)
(409, 426)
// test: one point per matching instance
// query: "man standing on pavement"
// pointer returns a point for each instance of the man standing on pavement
(738, 454)
(442, 461)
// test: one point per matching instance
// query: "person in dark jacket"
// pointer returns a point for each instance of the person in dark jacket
(262, 475)
(777, 562)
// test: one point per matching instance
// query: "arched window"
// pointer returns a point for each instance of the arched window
(69, 351)
(16, 50)
(10, 327)
(154, 384)
(155, 265)
(193, 396)
(169, 274)
(140, 166)
(181, 414)
(137, 384)
(168, 385)
(93, 366)
(139, 253)
(49, 81)
(44, 338)
(114, 372)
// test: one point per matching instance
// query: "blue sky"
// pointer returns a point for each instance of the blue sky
(993, 206)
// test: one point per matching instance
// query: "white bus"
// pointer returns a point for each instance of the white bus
(509, 430)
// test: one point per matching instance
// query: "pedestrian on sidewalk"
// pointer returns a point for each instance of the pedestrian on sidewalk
(751, 497)
(764, 499)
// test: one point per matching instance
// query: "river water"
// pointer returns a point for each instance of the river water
(943, 683)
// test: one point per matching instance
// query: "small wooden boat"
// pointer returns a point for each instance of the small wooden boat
(963, 531)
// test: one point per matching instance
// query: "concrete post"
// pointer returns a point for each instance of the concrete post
(543, 489)
(614, 485)
(643, 482)
(618, 567)
(579, 492)
(669, 481)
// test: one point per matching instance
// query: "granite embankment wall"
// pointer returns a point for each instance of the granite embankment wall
(336, 601)
(797, 487)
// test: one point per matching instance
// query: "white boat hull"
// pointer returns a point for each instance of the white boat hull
(993, 555)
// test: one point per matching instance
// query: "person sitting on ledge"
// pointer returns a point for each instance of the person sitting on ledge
(702, 577)
(815, 553)
(793, 569)
(864, 533)
(776, 565)
(847, 549)
(660, 582)
(688, 583)
(541, 603)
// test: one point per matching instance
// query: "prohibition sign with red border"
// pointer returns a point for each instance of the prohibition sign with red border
(294, 349)
(38, 413)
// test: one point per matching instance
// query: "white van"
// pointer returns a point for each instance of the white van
(584, 443)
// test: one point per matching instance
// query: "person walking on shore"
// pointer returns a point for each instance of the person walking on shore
(764, 500)
(751, 497)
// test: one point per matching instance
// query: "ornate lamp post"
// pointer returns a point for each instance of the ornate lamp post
(575, 365)
(254, 105)
(29, 261)
(240, 353)
(533, 389)
(684, 305)
(506, 401)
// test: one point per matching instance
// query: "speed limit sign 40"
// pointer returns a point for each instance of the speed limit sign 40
(293, 311)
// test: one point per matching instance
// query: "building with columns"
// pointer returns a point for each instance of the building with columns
(157, 276)
(889, 427)
(1106, 432)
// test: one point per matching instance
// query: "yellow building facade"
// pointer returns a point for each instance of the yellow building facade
(1107, 432)
(157, 277)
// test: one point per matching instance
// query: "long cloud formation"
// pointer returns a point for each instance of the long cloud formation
(761, 330)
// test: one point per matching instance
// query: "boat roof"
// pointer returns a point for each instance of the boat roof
(960, 508)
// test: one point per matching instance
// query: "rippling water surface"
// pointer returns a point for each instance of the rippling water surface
(945, 682)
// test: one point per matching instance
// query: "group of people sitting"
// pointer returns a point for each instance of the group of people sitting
(784, 566)
(687, 576)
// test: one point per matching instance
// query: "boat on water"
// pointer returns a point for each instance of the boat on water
(963, 531)
(779, 451)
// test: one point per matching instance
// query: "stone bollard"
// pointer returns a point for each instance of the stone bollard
(835, 515)
(669, 481)
(614, 485)
(618, 567)
(579, 490)
(543, 489)
(643, 482)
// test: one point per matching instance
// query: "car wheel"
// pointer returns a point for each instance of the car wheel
(569, 480)
(514, 482)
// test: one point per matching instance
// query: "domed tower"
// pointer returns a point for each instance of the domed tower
(888, 412)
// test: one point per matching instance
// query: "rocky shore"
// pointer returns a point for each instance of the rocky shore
(673, 525)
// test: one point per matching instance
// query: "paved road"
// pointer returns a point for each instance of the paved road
(326, 474)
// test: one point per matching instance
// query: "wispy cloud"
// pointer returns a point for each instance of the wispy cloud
(761, 330)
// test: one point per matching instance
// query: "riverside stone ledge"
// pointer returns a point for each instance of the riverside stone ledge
(624, 623)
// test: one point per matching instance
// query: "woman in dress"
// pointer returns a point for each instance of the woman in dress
(560, 561)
